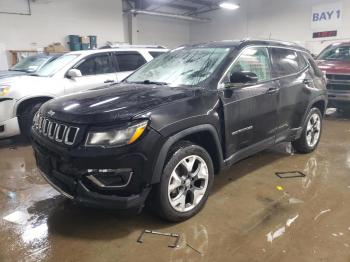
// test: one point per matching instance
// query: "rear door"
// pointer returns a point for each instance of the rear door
(127, 62)
(289, 67)
(97, 70)
(250, 110)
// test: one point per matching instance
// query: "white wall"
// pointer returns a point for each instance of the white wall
(52, 20)
(224, 25)
(291, 21)
(277, 19)
(165, 31)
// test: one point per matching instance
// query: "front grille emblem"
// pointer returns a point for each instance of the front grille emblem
(51, 113)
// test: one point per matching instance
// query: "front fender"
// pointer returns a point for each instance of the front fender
(160, 162)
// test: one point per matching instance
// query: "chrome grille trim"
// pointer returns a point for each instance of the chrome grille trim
(59, 138)
(69, 130)
(55, 131)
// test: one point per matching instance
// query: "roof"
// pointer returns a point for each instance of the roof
(95, 51)
(246, 42)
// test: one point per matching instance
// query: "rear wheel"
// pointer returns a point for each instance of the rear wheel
(311, 134)
(26, 119)
(186, 182)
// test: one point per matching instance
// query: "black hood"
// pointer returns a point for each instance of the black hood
(118, 102)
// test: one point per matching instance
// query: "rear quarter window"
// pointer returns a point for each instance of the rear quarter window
(129, 61)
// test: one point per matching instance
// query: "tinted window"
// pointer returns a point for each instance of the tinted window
(254, 60)
(129, 61)
(96, 65)
(154, 54)
(285, 62)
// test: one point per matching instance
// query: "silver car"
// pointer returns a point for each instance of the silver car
(22, 96)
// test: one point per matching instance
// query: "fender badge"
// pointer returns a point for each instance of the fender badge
(51, 113)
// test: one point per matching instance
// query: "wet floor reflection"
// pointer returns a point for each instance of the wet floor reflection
(252, 215)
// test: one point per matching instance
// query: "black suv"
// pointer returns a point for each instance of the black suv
(164, 132)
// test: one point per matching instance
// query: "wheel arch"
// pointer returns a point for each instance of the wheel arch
(320, 103)
(24, 103)
(203, 135)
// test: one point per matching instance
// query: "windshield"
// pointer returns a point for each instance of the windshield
(51, 68)
(182, 66)
(341, 53)
(30, 64)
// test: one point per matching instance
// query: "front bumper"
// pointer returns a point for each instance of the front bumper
(67, 170)
(8, 122)
(9, 128)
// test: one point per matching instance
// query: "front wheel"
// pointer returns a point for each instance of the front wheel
(311, 133)
(186, 182)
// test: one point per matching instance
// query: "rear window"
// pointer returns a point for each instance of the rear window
(285, 62)
(154, 54)
(129, 61)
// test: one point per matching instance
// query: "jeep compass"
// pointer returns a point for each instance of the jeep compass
(163, 133)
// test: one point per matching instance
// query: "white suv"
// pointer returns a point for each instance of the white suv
(21, 97)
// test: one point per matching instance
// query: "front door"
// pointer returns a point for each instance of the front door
(250, 110)
(96, 70)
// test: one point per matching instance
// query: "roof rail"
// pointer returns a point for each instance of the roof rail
(126, 45)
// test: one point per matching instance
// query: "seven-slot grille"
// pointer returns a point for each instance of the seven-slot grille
(55, 131)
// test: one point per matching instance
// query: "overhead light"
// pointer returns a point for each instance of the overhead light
(228, 5)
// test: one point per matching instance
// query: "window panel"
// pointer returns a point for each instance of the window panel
(96, 65)
(285, 62)
(129, 61)
(254, 60)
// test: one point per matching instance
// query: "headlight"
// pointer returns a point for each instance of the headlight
(117, 137)
(4, 90)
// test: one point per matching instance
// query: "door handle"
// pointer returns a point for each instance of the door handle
(272, 90)
(109, 81)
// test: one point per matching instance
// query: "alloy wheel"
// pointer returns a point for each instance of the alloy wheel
(313, 130)
(188, 183)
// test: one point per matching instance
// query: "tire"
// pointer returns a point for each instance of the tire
(191, 192)
(26, 119)
(310, 138)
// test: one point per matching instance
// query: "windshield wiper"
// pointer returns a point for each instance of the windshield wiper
(149, 82)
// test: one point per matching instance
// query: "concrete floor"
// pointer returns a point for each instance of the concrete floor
(252, 215)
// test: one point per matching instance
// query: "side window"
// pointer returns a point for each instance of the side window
(284, 62)
(96, 65)
(129, 61)
(252, 60)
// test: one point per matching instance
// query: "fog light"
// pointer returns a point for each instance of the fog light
(110, 178)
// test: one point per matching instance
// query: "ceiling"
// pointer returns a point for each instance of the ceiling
(180, 7)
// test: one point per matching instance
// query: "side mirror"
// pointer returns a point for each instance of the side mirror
(73, 73)
(243, 78)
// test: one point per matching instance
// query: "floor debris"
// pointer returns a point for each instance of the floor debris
(279, 188)
(197, 251)
(321, 213)
(176, 236)
(290, 174)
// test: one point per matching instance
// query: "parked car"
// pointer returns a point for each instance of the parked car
(28, 65)
(22, 96)
(334, 60)
(177, 121)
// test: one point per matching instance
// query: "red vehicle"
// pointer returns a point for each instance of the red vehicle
(334, 60)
